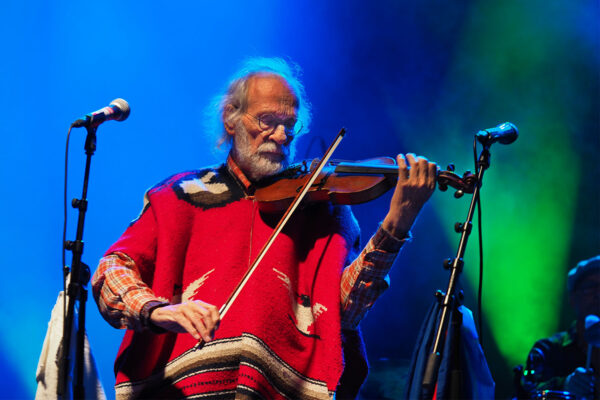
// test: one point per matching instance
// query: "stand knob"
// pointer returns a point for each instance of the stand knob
(79, 204)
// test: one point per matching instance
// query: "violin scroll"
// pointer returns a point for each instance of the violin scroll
(464, 184)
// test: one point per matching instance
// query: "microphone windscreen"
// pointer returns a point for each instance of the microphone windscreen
(508, 133)
(123, 106)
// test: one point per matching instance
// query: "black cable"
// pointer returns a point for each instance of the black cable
(480, 235)
(480, 295)
(63, 267)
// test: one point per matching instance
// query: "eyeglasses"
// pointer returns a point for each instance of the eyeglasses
(267, 122)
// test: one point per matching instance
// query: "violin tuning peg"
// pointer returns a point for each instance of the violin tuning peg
(458, 194)
(448, 263)
(450, 167)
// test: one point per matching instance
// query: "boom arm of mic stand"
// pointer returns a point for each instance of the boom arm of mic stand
(449, 302)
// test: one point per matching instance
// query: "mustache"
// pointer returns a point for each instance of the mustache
(273, 148)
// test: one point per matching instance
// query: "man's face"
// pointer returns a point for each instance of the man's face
(262, 152)
(586, 296)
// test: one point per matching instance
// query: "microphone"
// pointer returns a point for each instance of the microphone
(118, 110)
(505, 133)
(591, 323)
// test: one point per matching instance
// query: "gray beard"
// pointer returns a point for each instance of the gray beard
(255, 165)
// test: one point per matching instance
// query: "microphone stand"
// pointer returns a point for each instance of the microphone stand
(449, 302)
(76, 291)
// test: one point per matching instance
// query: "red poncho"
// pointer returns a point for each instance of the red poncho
(281, 337)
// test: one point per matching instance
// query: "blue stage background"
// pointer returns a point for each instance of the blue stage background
(401, 76)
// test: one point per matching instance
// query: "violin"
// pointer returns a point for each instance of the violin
(337, 182)
(341, 182)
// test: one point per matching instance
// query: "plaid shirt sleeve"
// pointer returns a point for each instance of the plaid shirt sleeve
(123, 299)
(366, 278)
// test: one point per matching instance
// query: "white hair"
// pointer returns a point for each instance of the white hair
(237, 95)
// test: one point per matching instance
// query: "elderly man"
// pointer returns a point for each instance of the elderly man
(293, 327)
(557, 362)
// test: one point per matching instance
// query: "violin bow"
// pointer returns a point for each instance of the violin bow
(282, 222)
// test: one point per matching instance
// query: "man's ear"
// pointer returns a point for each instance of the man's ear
(229, 125)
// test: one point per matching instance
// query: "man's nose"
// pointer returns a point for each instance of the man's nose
(279, 136)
